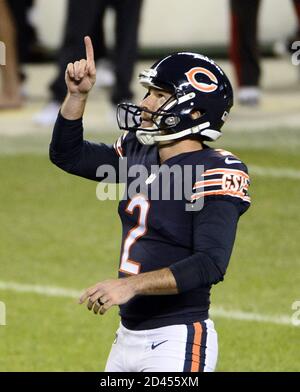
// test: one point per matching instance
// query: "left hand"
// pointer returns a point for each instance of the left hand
(110, 292)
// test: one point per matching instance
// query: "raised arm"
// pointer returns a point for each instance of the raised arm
(68, 149)
(80, 78)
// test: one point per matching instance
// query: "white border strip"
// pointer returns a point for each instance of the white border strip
(51, 291)
(275, 173)
(48, 291)
(247, 316)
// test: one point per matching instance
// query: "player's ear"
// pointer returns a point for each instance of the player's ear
(195, 114)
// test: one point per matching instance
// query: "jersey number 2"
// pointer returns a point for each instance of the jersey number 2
(130, 266)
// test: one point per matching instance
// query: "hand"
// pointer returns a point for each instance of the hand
(109, 293)
(81, 75)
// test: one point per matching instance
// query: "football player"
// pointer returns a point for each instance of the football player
(171, 255)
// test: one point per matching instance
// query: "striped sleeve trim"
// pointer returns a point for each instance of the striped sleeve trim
(212, 172)
(118, 145)
(220, 181)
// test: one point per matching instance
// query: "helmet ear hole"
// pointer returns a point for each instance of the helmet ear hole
(195, 114)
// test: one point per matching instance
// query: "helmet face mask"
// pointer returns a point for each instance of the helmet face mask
(129, 115)
(196, 84)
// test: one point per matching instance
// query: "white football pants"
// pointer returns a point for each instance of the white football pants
(176, 348)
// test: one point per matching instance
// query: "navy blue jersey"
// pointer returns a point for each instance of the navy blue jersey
(158, 231)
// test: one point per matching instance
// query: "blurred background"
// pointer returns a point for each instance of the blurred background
(56, 238)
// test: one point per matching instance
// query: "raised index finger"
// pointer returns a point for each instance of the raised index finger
(89, 50)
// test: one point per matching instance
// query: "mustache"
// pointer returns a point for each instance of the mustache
(146, 114)
(146, 118)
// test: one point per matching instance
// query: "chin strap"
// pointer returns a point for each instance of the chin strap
(151, 136)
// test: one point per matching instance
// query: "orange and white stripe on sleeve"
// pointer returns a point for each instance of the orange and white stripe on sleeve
(118, 145)
(223, 181)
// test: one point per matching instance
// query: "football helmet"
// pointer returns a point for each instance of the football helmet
(196, 83)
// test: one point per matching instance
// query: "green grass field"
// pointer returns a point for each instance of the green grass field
(54, 232)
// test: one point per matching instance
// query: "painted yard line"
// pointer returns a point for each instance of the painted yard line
(53, 291)
(247, 316)
(50, 291)
(275, 173)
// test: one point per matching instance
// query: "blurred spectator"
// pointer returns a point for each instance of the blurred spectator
(82, 20)
(26, 36)
(244, 51)
(10, 96)
(29, 48)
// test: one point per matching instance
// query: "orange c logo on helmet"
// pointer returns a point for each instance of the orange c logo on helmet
(204, 87)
